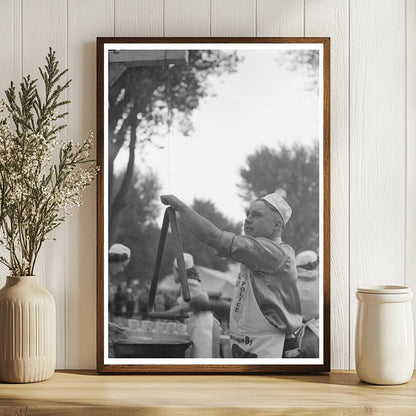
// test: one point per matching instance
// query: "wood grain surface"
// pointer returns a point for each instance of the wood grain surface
(187, 18)
(85, 18)
(84, 392)
(377, 148)
(280, 18)
(36, 39)
(410, 260)
(330, 18)
(233, 18)
(138, 18)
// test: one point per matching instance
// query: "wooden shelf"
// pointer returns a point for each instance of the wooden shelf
(86, 393)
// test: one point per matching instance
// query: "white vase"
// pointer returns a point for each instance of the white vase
(27, 331)
(384, 338)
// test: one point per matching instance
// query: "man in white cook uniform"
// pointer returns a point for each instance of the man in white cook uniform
(266, 303)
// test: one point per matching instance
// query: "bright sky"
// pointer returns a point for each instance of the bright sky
(261, 104)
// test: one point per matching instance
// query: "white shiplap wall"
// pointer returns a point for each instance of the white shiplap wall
(373, 132)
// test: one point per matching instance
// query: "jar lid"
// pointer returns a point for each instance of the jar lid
(384, 289)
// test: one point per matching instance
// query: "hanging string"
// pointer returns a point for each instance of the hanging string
(169, 117)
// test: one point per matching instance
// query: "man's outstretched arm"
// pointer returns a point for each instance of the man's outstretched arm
(202, 228)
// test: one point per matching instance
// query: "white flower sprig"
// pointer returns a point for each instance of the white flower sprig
(41, 176)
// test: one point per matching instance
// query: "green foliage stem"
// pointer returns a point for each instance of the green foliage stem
(36, 193)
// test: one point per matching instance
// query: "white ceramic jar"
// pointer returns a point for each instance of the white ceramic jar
(384, 337)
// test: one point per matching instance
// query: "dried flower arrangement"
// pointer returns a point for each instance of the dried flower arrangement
(42, 176)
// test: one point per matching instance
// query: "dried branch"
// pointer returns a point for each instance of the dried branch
(36, 194)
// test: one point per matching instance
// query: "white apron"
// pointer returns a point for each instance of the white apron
(200, 324)
(251, 334)
(200, 328)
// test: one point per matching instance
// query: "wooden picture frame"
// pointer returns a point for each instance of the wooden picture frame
(121, 54)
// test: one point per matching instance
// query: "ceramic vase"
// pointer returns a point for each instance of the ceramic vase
(384, 341)
(27, 331)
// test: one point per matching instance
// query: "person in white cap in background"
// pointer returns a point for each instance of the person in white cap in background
(307, 264)
(266, 304)
(118, 259)
(202, 325)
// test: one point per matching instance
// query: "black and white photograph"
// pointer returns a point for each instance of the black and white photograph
(213, 184)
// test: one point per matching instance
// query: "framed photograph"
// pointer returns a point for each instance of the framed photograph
(213, 205)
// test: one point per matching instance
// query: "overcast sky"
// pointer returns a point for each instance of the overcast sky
(261, 104)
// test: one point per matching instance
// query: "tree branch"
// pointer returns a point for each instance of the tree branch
(119, 200)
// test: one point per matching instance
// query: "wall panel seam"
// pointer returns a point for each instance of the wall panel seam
(304, 17)
(66, 221)
(349, 185)
(210, 18)
(21, 40)
(405, 145)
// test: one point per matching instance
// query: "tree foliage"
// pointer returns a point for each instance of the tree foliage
(142, 208)
(203, 254)
(138, 228)
(148, 101)
(294, 172)
(303, 61)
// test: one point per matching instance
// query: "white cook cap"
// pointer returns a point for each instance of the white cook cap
(119, 249)
(188, 259)
(281, 206)
(305, 258)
